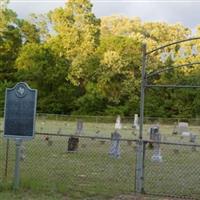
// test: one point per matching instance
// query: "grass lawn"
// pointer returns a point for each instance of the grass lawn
(29, 195)
(50, 172)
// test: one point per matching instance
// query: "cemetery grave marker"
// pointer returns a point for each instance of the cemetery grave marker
(183, 129)
(59, 131)
(155, 136)
(118, 124)
(79, 127)
(193, 140)
(152, 131)
(74, 140)
(115, 144)
(136, 122)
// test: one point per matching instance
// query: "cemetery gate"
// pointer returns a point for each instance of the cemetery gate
(142, 174)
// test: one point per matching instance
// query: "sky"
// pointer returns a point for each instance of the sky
(171, 11)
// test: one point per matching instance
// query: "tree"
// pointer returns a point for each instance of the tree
(39, 65)
(10, 43)
(77, 37)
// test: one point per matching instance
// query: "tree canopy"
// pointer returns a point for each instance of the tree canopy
(84, 65)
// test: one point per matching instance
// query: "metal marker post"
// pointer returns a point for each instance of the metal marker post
(7, 154)
(140, 144)
(17, 163)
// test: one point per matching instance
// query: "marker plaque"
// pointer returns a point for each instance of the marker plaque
(20, 111)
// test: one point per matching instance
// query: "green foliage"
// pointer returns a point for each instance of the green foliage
(78, 32)
(3, 86)
(91, 103)
(40, 66)
(83, 65)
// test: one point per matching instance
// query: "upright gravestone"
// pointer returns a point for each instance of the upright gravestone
(193, 140)
(118, 124)
(136, 122)
(156, 137)
(152, 132)
(19, 118)
(115, 144)
(79, 127)
(74, 140)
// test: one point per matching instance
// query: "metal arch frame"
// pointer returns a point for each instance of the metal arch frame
(145, 76)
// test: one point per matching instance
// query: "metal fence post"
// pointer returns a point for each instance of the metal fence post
(6, 164)
(17, 164)
(139, 185)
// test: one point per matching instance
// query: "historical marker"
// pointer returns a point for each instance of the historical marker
(19, 119)
(20, 110)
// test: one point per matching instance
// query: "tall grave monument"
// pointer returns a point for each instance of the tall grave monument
(155, 137)
(115, 139)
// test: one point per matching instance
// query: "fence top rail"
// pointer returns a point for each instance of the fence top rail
(172, 143)
(82, 136)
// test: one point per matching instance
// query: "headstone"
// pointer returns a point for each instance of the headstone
(183, 128)
(193, 140)
(73, 144)
(115, 144)
(175, 129)
(156, 149)
(59, 131)
(152, 134)
(118, 124)
(136, 122)
(97, 133)
(156, 137)
(73, 141)
(79, 127)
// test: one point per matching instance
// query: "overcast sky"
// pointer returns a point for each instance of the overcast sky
(171, 11)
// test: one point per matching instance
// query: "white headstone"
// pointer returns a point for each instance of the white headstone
(136, 122)
(118, 124)
(183, 129)
(79, 127)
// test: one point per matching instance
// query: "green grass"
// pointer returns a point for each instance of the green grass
(91, 172)
(29, 195)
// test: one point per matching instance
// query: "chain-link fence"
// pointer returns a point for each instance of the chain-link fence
(176, 174)
(47, 165)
